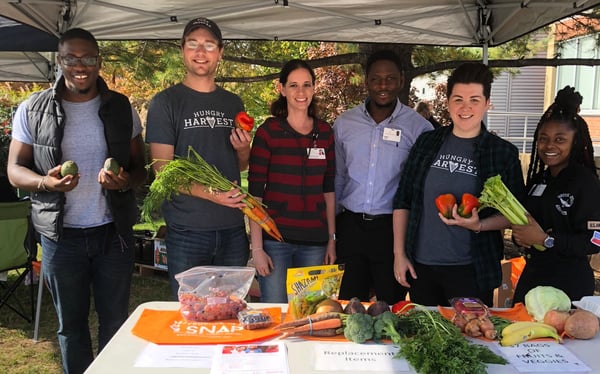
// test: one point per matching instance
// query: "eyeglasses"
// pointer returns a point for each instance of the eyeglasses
(208, 46)
(73, 61)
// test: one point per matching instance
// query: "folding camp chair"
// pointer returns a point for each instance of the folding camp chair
(18, 250)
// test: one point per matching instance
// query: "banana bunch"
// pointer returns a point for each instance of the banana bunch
(522, 331)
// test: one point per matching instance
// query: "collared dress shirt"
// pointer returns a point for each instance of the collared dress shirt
(370, 156)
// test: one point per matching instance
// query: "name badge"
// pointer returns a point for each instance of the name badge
(538, 190)
(593, 225)
(316, 153)
(392, 135)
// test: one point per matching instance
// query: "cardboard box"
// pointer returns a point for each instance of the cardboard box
(503, 295)
(160, 254)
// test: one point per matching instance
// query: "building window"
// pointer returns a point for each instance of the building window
(586, 79)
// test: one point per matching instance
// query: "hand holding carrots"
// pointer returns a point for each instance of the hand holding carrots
(232, 198)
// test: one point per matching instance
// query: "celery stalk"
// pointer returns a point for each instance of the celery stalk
(496, 195)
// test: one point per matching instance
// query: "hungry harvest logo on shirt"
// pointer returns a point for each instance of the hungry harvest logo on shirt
(208, 118)
(455, 164)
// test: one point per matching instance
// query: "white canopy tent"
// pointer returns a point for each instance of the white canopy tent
(28, 53)
(26, 66)
(432, 22)
(435, 22)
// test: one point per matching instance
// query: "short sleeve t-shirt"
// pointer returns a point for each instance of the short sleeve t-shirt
(454, 170)
(83, 142)
(183, 117)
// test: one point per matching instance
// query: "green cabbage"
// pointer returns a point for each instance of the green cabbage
(541, 299)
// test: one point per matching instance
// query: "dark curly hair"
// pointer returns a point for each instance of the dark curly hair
(564, 109)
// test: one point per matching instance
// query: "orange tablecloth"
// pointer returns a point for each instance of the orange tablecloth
(169, 327)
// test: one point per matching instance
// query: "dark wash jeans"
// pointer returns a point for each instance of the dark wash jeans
(187, 249)
(84, 259)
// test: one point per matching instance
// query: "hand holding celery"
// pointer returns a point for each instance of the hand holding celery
(182, 173)
(496, 195)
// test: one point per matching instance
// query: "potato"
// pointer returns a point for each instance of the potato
(582, 325)
(556, 319)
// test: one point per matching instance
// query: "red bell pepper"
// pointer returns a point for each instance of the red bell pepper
(445, 203)
(244, 121)
(467, 204)
(402, 306)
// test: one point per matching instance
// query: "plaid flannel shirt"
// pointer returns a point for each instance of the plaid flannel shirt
(494, 156)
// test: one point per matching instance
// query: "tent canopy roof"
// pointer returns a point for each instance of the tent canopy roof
(34, 25)
(431, 22)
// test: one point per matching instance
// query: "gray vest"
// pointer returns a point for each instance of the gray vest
(46, 118)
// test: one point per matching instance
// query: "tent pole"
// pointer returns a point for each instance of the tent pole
(485, 53)
(38, 307)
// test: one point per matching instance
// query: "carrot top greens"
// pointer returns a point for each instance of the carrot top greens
(181, 173)
(432, 344)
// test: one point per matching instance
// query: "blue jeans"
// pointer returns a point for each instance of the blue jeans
(96, 257)
(284, 256)
(187, 249)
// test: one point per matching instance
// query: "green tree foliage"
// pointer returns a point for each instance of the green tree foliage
(140, 69)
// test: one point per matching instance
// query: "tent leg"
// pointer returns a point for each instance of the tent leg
(38, 306)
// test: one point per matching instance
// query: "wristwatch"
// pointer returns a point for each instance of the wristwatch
(549, 242)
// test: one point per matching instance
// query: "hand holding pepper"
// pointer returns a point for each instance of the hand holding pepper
(244, 121)
(467, 204)
(445, 203)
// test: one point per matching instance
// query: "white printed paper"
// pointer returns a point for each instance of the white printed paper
(175, 356)
(356, 357)
(543, 357)
(265, 358)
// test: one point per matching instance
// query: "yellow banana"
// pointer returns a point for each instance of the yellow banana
(519, 325)
(528, 331)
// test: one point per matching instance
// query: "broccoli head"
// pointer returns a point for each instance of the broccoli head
(384, 326)
(358, 327)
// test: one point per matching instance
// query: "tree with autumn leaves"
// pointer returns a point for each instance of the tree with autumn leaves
(140, 69)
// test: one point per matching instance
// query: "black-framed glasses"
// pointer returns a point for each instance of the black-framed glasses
(73, 61)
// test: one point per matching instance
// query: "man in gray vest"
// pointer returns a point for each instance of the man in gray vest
(85, 218)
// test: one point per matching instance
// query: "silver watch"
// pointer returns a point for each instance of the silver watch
(549, 242)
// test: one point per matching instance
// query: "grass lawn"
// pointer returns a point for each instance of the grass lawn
(20, 354)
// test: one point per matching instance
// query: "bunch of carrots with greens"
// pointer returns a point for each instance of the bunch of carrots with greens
(496, 195)
(182, 172)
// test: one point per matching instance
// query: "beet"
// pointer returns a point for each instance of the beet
(354, 306)
(378, 307)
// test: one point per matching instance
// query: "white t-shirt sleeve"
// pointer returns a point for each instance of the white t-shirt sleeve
(20, 125)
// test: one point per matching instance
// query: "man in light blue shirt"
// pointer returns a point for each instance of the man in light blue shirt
(372, 142)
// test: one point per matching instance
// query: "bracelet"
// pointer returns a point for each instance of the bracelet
(42, 184)
(480, 228)
(252, 249)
